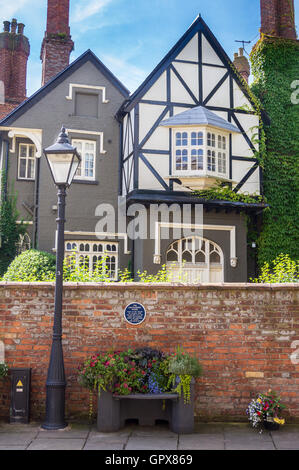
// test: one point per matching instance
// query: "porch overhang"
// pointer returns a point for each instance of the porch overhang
(179, 197)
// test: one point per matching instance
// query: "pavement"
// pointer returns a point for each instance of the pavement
(206, 436)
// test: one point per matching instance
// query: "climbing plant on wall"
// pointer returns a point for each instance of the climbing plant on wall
(10, 230)
(275, 66)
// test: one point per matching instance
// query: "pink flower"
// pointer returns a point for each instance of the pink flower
(125, 385)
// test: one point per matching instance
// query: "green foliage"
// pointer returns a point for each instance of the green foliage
(31, 266)
(80, 272)
(282, 269)
(3, 370)
(183, 366)
(182, 363)
(9, 229)
(275, 67)
(143, 370)
(225, 193)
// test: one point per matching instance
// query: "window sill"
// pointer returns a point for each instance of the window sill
(198, 182)
(93, 182)
(28, 180)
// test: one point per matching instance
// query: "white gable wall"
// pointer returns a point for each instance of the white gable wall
(197, 80)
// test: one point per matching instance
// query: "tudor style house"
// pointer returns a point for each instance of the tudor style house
(190, 125)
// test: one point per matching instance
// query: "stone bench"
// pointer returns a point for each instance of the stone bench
(114, 410)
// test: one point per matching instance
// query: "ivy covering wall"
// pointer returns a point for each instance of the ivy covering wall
(275, 66)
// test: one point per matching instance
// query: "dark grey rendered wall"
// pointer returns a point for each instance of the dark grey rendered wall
(144, 249)
(49, 114)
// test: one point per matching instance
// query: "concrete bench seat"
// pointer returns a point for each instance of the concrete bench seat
(148, 409)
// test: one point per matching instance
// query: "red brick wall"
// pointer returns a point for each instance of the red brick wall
(244, 336)
(58, 16)
(55, 53)
(14, 53)
(278, 18)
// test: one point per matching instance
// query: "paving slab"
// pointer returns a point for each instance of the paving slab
(151, 443)
(70, 432)
(57, 444)
(252, 445)
(16, 439)
(201, 442)
(206, 436)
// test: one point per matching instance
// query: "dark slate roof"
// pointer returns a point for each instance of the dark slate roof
(38, 95)
(199, 115)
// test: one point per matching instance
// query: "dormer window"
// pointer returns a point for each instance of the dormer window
(200, 149)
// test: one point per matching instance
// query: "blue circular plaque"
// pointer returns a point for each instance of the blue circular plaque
(135, 313)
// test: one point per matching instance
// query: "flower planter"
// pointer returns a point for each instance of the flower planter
(114, 410)
(270, 425)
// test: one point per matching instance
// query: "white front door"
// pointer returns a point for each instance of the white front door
(195, 259)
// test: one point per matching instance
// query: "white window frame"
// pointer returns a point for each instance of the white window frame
(86, 248)
(205, 171)
(82, 153)
(27, 158)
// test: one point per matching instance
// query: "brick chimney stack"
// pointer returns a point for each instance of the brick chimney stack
(242, 64)
(278, 18)
(14, 53)
(57, 43)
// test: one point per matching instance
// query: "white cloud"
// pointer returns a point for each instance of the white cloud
(86, 8)
(9, 9)
(130, 75)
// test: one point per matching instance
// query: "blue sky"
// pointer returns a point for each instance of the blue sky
(132, 36)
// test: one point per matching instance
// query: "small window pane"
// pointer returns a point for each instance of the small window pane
(211, 161)
(22, 168)
(222, 163)
(184, 138)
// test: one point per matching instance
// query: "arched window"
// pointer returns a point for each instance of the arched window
(195, 259)
(24, 243)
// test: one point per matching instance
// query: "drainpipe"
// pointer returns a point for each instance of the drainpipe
(36, 203)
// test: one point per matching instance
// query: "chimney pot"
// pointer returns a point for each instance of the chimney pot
(14, 25)
(21, 27)
(6, 26)
(241, 51)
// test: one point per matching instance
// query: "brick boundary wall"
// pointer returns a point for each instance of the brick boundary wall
(246, 336)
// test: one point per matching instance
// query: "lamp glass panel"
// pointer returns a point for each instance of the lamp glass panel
(60, 166)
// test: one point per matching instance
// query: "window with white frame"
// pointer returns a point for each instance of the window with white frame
(26, 162)
(87, 151)
(200, 152)
(95, 255)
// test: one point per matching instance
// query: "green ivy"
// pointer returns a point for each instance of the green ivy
(10, 230)
(225, 193)
(275, 66)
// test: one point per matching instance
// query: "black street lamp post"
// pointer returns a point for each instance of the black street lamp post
(63, 160)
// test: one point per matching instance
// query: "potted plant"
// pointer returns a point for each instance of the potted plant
(144, 384)
(183, 368)
(264, 412)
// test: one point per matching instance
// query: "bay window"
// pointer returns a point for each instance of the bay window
(200, 152)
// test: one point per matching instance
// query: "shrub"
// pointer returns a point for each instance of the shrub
(32, 265)
(3, 370)
(10, 230)
(282, 269)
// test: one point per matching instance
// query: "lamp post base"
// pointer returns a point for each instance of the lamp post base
(55, 408)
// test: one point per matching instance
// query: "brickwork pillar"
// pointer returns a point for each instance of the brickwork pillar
(57, 43)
